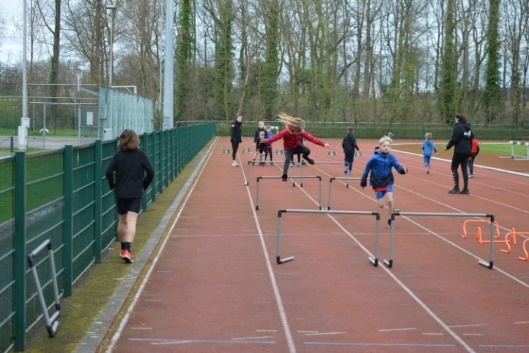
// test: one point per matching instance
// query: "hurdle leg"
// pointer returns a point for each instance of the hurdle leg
(490, 264)
(248, 180)
(279, 260)
(374, 260)
(330, 191)
(257, 196)
(389, 262)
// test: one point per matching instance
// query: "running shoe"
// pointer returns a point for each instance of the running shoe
(127, 257)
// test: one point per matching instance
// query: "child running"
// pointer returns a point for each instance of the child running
(428, 147)
(268, 151)
(474, 151)
(292, 135)
(129, 173)
(349, 147)
(261, 128)
(381, 178)
(261, 148)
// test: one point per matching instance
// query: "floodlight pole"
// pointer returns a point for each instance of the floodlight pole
(24, 121)
(112, 7)
(168, 67)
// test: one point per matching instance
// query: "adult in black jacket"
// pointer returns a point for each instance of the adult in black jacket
(349, 147)
(236, 139)
(129, 173)
(461, 139)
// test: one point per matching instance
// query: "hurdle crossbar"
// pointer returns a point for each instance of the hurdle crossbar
(294, 177)
(373, 260)
(489, 265)
(318, 163)
(252, 163)
(330, 186)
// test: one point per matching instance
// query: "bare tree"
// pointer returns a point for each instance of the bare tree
(51, 17)
(515, 31)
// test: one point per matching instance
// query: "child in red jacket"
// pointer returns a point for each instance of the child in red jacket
(292, 136)
(473, 154)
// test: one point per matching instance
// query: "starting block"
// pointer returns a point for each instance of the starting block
(358, 153)
(246, 150)
(226, 150)
(280, 152)
(331, 153)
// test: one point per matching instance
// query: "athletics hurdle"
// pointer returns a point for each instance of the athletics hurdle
(489, 265)
(278, 177)
(519, 156)
(511, 236)
(330, 186)
(252, 163)
(51, 322)
(465, 234)
(279, 260)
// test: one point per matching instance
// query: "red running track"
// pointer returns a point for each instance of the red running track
(215, 285)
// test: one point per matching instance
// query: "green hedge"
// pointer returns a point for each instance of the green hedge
(400, 131)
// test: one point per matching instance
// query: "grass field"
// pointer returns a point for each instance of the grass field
(503, 148)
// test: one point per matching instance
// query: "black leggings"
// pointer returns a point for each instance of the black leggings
(460, 159)
(234, 148)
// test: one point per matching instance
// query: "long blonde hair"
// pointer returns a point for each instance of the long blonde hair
(295, 125)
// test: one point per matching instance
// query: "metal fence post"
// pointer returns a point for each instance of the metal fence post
(68, 220)
(98, 172)
(20, 251)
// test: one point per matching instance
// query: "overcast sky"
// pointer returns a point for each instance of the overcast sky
(11, 43)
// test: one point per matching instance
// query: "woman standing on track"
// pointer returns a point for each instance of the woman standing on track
(129, 173)
(236, 139)
(461, 138)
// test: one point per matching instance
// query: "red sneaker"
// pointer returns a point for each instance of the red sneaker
(127, 257)
(121, 253)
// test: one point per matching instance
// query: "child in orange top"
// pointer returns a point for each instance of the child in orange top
(292, 136)
(473, 154)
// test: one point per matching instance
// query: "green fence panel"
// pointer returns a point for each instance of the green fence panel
(63, 196)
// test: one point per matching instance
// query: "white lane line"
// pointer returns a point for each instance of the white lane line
(325, 333)
(398, 329)
(275, 287)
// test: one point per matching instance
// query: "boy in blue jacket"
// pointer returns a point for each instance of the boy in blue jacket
(428, 147)
(381, 178)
